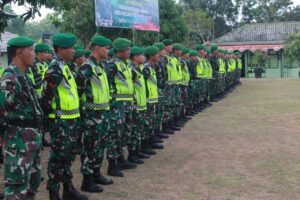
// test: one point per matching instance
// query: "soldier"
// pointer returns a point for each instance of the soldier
(79, 58)
(87, 53)
(185, 82)
(61, 103)
(239, 66)
(1, 71)
(194, 94)
(140, 106)
(208, 76)
(216, 77)
(152, 120)
(119, 76)
(1, 150)
(111, 53)
(20, 118)
(171, 64)
(93, 91)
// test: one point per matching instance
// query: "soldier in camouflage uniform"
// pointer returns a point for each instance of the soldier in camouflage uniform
(186, 79)
(153, 120)
(193, 87)
(20, 118)
(61, 104)
(119, 76)
(94, 92)
(140, 106)
(216, 78)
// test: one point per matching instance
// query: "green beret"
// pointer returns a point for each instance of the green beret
(121, 44)
(41, 47)
(185, 51)
(64, 40)
(193, 53)
(111, 52)
(137, 51)
(87, 53)
(78, 47)
(214, 48)
(101, 41)
(160, 45)
(177, 46)
(151, 50)
(79, 53)
(167, 42)
(208, 51)
(20, 41)
(199, 47)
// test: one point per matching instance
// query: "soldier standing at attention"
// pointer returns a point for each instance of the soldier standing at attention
(20, 118)
(140, 106)
(119, 76)
(61, 103)
(93, 91)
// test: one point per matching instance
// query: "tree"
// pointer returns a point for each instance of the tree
(199, 24)
(32, 9)
(292, 49)
(15, 25)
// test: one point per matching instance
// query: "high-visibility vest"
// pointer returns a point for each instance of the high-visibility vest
(185, 75)
(140, 91)
(42, 68)
(209, 74)
(100, 90)
(200, 68)
(233, 62)
(123, 81)
(152, 89)
(67, 104)
(1, 71)
(173, 67)
(222, 68)
(239, 63)
(30, 75)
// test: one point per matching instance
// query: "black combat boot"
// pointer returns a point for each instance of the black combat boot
(156, 146)
(54, 195)
(146, 148)
(132, 157)
(174, 127)
(166, 129)
(99, 179)
(113, 170)
(160, 134)
(141, 155)
(156, 139)
(1, 196)
(125, 164)
(70, 193)
(88, 185)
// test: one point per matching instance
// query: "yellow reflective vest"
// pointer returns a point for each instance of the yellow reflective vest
(67, 105)
(174, 70)
(139, 90)
(100, 89)
(1, 71)
(123, 81)
(185, 74)
(222, 68)
(239, 63)
(151, 84)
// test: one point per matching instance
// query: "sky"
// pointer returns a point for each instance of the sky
(44, 11)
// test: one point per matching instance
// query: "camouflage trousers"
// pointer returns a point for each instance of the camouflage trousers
(177, 101)
(95, 126)
(22, 162)
(121, 126)
(161, 109)
(150, 120)
(64, 140)
(168, 109)
(138, 132)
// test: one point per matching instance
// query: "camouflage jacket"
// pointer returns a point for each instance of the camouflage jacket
(18, 100)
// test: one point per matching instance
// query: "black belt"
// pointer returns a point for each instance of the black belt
(25, 123)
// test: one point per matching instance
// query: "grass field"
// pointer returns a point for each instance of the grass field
(245, 147)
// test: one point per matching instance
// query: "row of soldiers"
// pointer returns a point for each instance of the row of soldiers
(107, 104)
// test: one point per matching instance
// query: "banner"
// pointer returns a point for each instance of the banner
(134, 14)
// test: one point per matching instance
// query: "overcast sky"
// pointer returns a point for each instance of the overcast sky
(44, 11)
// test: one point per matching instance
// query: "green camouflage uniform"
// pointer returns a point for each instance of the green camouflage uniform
(94, 118)
(121, 110)
(21, 115)
(63, 132)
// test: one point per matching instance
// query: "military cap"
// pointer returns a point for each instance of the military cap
(160, 45)
(111, 52)
(79, 52)
(193, 53)
(177, 46)
(64, 40)
(185, 50)
(208, 51)
(20, 41)
(200, 47)
(87, 53)
(78, 47)
(41, 47)
(137, 51)
(151, 50)
(214, 48)
(101, 41)
(121, 44)
(167, 42)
